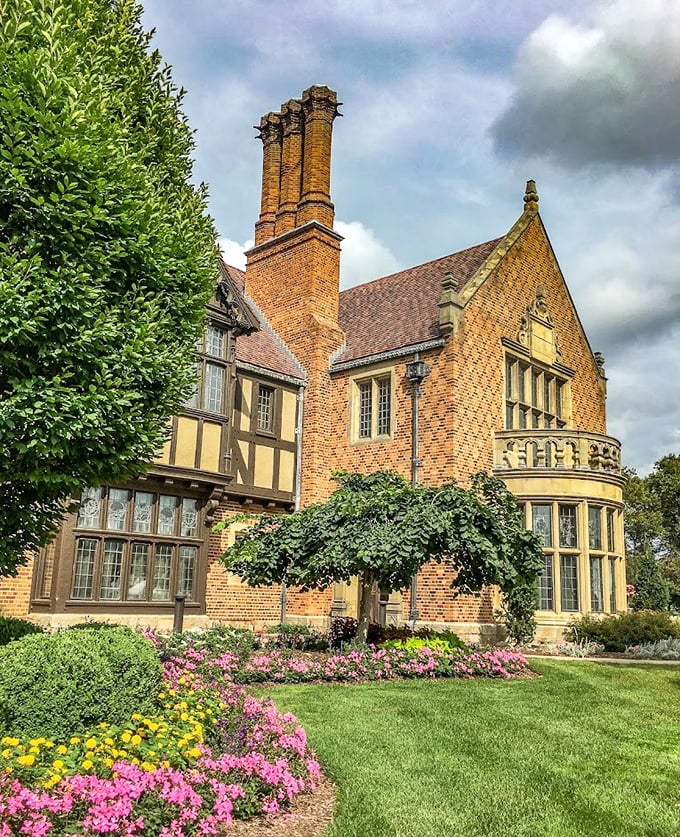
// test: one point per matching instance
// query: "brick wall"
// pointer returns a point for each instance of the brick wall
(15, 593)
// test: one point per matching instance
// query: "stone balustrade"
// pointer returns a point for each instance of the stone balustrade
(559, 449)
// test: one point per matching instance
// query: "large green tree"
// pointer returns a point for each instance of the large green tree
(380, 529)
(107, 256)
(652, 525)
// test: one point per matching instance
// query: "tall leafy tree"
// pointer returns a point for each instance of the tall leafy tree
(652, 524)
(380, 529)
(107, 256)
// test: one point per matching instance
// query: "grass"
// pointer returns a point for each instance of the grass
(587, 749)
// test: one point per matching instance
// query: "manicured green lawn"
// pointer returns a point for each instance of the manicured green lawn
(587, 749)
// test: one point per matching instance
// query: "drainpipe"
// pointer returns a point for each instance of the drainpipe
(298, 482)
(416, 371)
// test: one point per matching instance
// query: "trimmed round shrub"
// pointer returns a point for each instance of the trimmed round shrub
(60, 684)
(11, 629)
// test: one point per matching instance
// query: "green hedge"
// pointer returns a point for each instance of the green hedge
(11, 628)
(619, 632)
(60, 684)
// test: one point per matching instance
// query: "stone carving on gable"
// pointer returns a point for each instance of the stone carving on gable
(537, 330)
(233, 308)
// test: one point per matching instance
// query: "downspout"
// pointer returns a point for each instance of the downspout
(415, 464)
(298, 482)
(416, 372)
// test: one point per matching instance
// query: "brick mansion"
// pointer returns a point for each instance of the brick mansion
(298, 378)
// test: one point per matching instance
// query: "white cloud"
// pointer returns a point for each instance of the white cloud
(363, 257)
(603, 91)
(233, 253)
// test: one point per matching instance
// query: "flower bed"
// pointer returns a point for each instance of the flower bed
(209, 755)
(352, 666)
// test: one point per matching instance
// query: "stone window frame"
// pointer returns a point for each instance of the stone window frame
(536, 396)
(607, 551)
(373, 378)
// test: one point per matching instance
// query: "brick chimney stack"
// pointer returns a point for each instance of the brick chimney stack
(296, 164)
(270, 134)
(293, 271)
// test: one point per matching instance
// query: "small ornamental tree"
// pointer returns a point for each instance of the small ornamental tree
(107, 257)
(378, 528)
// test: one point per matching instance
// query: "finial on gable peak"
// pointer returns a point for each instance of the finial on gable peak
(531, 197)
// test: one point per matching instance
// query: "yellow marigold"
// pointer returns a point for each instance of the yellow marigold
(7, 754)
(26, 761)
(51, 781)
(34, 750)
(11, 742)
(148, 767)
(87, 764)
(193, 753)
(57, 764)
(91, 743)
(126, 736)
(136, 717)
(108, 761)
(74, 740)
(136, 739)
(109, 742)
(62, 750)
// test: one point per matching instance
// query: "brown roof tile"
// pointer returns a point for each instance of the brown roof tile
(401, 309)
(263, 348)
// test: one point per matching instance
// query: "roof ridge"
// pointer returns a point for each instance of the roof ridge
(267, 325)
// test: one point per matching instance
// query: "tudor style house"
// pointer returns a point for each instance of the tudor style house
(473, 361)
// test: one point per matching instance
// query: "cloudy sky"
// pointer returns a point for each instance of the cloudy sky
(449, 107)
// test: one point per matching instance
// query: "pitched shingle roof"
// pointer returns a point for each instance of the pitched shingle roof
(401, 309)
(262, 348)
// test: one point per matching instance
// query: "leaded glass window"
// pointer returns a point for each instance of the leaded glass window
(141, 518)
(89, 511)
(139, 566)
(534, 397)
(215, 341)
(568, 527)
(612, 585)
(189, 518)
(86, 550)
(213, 388)
(187, 564)
(596, 586)
(569, 582)
(153, 555)
(384, 406)
(161, 573)
(610, 530)
(265, 409)
(111, 570)
(594, 527)
(546, 600)
(542, 523)
(374, 408)
(365, 409)
(117, 509)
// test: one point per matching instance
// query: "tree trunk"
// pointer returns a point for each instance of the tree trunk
(366, 584)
